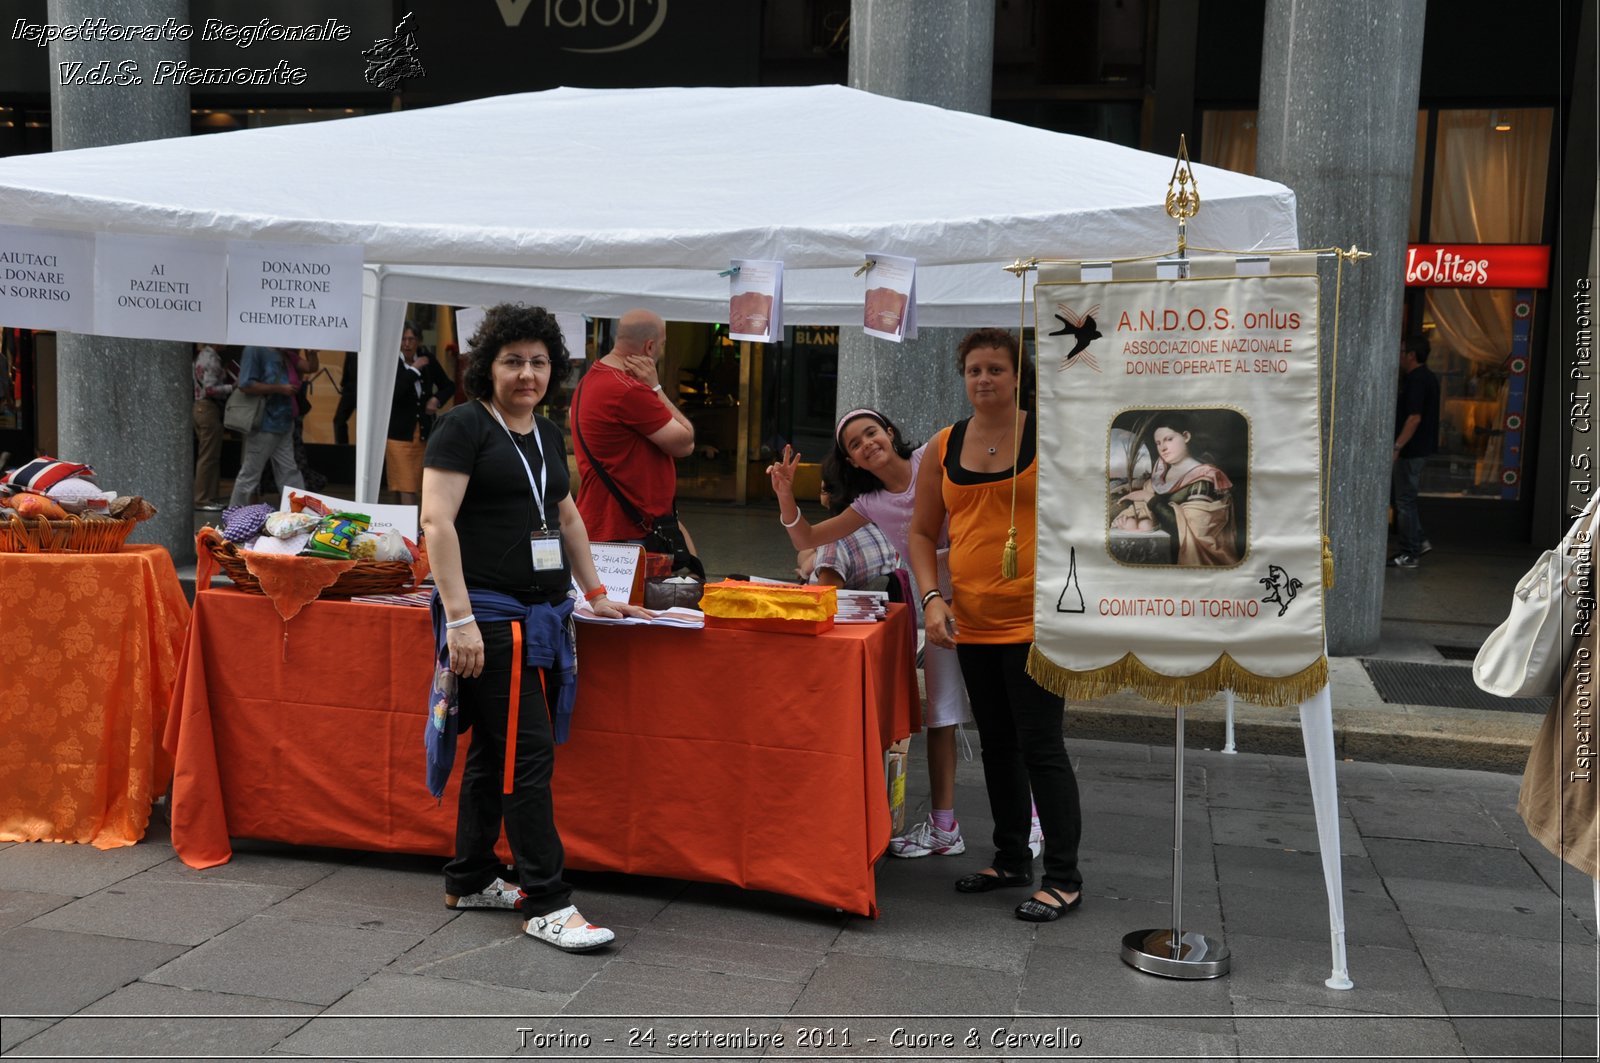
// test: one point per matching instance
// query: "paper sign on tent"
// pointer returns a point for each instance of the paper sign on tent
(49, 278)
(891, 298)
(160, 288)
(755, 300)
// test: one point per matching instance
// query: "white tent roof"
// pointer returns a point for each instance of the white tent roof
(599, 200)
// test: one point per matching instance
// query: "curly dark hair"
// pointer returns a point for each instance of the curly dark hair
(997, 338)
(513, 323)
(1002, 340)
(854, 482)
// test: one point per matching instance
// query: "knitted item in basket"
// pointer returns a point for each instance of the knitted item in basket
(245, 522)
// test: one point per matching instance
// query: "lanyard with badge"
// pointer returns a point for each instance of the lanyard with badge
(544, 543)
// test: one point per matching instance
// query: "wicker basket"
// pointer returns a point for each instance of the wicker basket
(367, 577)
(40, 535)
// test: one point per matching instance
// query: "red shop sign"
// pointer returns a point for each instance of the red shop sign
(1478, 265)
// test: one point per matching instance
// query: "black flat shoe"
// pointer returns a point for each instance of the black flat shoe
(978, 882)
(1037, 911)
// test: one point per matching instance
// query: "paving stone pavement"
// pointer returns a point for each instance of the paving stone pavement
(1466, 940)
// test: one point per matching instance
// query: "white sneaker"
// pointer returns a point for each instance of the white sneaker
(498, 894)
(552, 929)
(925, 839)
(1035, 837)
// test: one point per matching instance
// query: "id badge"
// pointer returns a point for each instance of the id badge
(546, 551)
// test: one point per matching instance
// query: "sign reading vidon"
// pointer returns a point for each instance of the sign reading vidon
(294, 295)
(160, 288)
(46, 277)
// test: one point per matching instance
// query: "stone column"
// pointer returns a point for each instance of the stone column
(939, 53)
(1338, 124)
(124, 405)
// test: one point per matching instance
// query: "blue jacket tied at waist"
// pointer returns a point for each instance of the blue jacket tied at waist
(548, 643)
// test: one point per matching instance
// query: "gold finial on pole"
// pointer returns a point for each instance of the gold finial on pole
(1183, 202)
(1019, 266)
(1355, 254)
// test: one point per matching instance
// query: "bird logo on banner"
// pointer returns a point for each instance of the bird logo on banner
(1081, 328)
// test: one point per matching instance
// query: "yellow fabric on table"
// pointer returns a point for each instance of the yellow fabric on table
(741, 600)
(87, 666)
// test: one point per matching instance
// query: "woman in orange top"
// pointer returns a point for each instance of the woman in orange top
(989, 621)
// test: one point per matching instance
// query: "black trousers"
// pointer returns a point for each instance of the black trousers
(1020, 728)
(346, 407)
(528, 812)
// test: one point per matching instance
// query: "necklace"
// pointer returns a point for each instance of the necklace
(997, 439)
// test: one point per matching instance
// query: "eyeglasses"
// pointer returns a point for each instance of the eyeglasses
(517, 365)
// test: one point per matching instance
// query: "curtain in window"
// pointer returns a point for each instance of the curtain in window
(1488, 188)
(1228, 140)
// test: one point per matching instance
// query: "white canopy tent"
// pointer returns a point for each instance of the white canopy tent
(595, 201)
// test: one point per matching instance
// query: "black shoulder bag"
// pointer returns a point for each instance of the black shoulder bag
(662, 535)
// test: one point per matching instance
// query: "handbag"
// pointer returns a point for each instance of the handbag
(1524, 656)
(243, 411)
(662, 535)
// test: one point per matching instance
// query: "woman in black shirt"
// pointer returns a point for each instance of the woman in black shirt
(505, 540)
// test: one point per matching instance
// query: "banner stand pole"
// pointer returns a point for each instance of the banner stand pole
(1227, 723)
(1168, 951)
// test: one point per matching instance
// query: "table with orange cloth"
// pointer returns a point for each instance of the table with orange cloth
(89, 647)
(689, 750)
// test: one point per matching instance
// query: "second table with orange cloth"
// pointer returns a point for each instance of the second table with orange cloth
(89, 647)
(689, 749)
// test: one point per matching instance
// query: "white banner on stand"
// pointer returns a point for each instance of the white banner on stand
(46, 279)
(294, 295)
(1198, 565)
(160, 288)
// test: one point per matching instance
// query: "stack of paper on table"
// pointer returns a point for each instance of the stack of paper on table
(677, 616)
(861, 607)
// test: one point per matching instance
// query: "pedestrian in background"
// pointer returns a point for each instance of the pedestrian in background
(211, 389)
(1416, 438)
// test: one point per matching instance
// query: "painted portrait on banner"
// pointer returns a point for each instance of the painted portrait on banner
(1177, 485)
(1197, 564)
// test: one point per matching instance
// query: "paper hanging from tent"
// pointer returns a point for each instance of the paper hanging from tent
(574, 333)
(890, 312)
(468, 318)
(1194, 565)
(46, 279)
(294, 295)
(160, 288)
(755, 301)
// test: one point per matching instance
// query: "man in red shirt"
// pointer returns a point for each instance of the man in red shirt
(624, 421)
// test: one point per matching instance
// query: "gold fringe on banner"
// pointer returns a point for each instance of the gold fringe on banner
(1224, 674)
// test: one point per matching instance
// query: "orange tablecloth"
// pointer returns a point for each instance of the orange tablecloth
(89, 649)
(689, 749)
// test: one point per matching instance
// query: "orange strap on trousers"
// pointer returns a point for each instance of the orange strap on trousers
(514, 713)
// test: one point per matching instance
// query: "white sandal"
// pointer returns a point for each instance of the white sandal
(552, 929)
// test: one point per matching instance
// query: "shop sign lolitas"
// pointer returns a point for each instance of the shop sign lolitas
(1478, 265)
